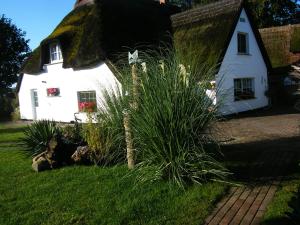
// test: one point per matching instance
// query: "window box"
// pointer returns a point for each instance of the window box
(87, 101)
(53, 92)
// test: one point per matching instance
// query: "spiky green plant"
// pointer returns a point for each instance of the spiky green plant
(38, 135)
(171, 125)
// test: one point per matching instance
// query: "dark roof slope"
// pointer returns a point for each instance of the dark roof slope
(93, 33)
(202, 35)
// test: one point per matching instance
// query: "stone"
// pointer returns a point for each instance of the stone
(40, 163)
(82, 155)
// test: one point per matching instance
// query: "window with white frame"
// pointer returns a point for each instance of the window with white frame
(87, 101)
(55, 53)
(244, 89)
(243, 43)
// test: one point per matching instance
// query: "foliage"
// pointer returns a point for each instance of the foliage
(269, 13)
(38, 135)
(72, 134)
(13, 51)
(6, 104)
(171, 125)
(104, 138)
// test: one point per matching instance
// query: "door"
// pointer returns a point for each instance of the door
(34, 103)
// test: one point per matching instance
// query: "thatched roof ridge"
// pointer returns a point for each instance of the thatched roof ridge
(211, 10)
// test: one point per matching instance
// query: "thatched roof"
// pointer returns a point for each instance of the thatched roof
(202, 35)
(97, 32)
(282, 44)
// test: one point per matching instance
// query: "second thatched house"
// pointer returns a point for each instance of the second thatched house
(223, 34)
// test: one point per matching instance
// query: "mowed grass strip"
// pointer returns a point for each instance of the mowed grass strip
(281, 210)
(94, 195)
(11, 133)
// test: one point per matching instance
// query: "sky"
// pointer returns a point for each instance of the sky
(37, 18)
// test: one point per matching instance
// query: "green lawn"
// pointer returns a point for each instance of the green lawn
(282, 208)
(91, 195)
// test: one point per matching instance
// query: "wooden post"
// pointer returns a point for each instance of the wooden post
(134, 86)
(129, 140)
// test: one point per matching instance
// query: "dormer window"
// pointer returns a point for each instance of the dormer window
(55, 53)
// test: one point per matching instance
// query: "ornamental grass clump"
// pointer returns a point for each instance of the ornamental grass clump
(170, 119)
(38, 136)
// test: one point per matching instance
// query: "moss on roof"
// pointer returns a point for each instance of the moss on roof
(203, 42)
(93, 33)
(201, 35)
(295, 40)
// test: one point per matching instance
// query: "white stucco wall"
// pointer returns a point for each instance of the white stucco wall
(69, 81)
(242, 66)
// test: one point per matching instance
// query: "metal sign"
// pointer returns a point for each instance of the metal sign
(133, 58)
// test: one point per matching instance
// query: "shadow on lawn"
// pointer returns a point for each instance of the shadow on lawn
(262, 160)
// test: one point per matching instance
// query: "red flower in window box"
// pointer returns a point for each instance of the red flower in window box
(53, 91)
(87, 106)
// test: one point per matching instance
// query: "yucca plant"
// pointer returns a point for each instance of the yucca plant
(38, 135)
(171, 125)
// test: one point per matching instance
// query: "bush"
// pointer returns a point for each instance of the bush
(38, 136)
(171, 126)
(72, 134)
(105, 138)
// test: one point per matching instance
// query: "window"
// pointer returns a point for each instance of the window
(35, 98)
(243, 43)
(55, 53)
(87, 101)
(242, 20)
(243, 89)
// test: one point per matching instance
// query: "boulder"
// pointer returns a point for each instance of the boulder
(82, 155)
(40, 163)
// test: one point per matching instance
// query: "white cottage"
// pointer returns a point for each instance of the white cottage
(223, 34)
(67, 73)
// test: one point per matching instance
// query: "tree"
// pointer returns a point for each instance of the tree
(270, 13)
(13, 51)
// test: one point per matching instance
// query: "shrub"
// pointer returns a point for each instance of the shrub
(38, 135)
(103, 138)
(15, 115)
(72, 134)
(171, 126)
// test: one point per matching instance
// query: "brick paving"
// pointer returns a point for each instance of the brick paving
(247, 205)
